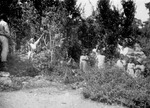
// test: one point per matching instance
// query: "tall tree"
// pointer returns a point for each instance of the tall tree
(115, 25)
(109, 20)
(128, 18)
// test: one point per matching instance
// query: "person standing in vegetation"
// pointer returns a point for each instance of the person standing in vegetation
(83, 62)
(33, 46)
(4, 36)
(139, 54)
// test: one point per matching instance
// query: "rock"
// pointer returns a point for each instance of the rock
(4, 74)
(6, 81)
(35, 83)
(38, 77)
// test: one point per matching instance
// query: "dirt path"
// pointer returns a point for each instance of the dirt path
(48, 97)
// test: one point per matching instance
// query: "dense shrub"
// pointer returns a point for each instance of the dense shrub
(18, 65)
(113, 85)
(55, 70)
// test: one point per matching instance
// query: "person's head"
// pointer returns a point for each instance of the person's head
(121, 56)
(84, 52)
(137, 46)
(131, 60)
(31, 40)
(102, 51)
(3, 17)
(124, 43)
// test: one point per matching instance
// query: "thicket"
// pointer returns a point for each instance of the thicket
(114, 85)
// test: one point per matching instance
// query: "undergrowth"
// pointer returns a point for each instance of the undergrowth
(19, 65)
(112, 85)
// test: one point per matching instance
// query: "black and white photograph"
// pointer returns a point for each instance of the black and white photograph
(74, 53)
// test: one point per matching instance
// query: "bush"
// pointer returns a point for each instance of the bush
(113, 85)
(56, 71)
(65, 74)
(18, 65)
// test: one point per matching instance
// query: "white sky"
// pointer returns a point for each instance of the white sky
(141, 11)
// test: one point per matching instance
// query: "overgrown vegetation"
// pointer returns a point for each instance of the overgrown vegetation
(107, 26)
(113, 85)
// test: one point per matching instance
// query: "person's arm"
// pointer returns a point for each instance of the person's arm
(7, 31)
(36, 42)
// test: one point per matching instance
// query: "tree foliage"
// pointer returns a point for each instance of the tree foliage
(7, 7)
(129, 13)
(115, 25)
(106, 26)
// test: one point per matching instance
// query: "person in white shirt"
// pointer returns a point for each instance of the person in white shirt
(4, 35)
(84, 62)
(121, 63)
(126, 51)
(33, 47)
(100, 59)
